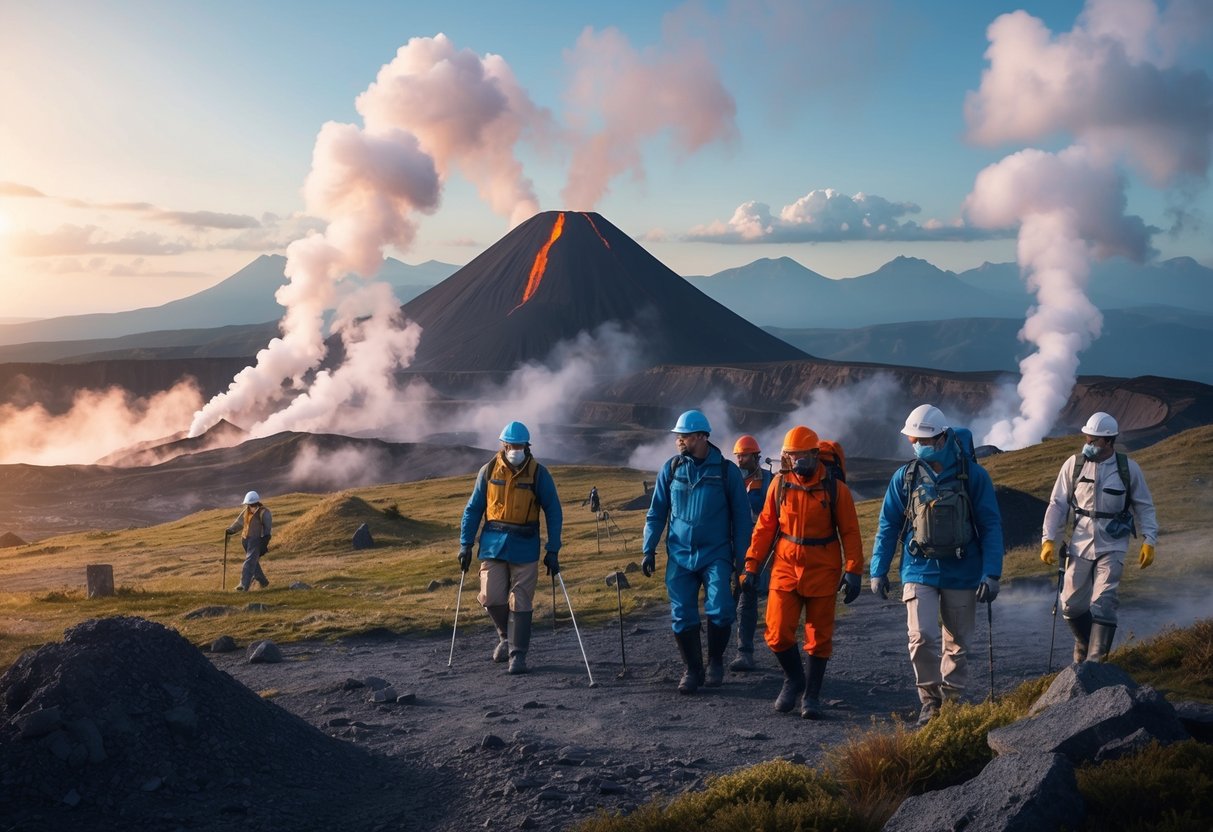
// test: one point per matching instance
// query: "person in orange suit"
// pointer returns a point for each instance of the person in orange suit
(808, 521)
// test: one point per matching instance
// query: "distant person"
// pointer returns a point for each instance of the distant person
(757, 480)
(807, 524)
(941, 509)
(510, 491)
(701, 496)
(595, 504)
(1110, 500)
(255, 524)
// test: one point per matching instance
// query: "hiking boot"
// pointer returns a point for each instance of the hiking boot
(520, 640)
(718, 642)
(810, 706)
(517, 664)
(501, 653)
(930, 710)
(793, 679)
(691, 648)
(500, 613)
(241, 588)
(743, 663)
(1102, 634)
(264, 582)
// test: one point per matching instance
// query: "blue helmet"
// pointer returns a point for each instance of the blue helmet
(692, 422)
(515, 433)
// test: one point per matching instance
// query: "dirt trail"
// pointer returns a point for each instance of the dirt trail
(564, 750)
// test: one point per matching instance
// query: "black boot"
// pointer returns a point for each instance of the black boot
(691, 648)
(500, 613)
(1081, 627)
(747, 623)
(793, 679)
(520, 640)
(810, 707)
(718, 642)
(1102, 633)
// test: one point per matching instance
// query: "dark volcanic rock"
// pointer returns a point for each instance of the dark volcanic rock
(127, 723)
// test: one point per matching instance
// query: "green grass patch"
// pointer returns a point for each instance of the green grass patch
(1162, 789)
(1178, 662)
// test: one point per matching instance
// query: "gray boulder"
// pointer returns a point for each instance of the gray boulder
(1079, 680)
(1197, 718)
(1013, 793)
(1093, 726)
(264, 652)
(224, 644)
(362, 537)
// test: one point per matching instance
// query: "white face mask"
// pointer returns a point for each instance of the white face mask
(515, 457)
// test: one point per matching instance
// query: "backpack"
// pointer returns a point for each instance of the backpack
(1123, 522)
(941, 515)
(830, 454)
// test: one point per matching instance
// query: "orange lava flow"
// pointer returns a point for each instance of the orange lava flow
(590, 220)
(541, 262)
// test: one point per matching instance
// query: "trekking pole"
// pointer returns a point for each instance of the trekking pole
(620, 580)
(580, 644)
(1061, 571)
(223, 585)
(553, 603)
(597, 532)
(990, 618)
(458, 598)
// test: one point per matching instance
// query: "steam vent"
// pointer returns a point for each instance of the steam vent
(565, 272)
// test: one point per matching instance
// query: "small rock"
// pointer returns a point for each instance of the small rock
(338, 722)
(550, 795)
(353, 684)
(610, 787)
(387, 694)
(375, 683)
(38, 723)
(264, 652)
(533, 704)
(433, 585)
(492, 742)
(406, 699)
(299, 585)
(208, 612)
(256, 606)
(224, 644)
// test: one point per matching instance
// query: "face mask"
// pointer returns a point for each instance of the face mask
(1090, 451)
(515, 457)
(927, 453)
(804, 466)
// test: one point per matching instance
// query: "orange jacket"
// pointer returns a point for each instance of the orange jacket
(805, 568)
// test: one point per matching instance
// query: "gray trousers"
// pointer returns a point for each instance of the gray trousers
(252, 563)
(1092, 585)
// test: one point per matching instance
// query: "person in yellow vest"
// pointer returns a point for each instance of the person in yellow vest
(255, 524)
(510, 491)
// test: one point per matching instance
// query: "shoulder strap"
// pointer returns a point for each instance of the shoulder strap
(1079, 461)
(1122, 468)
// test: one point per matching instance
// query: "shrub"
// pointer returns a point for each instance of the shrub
(1162, 788)
(1178, 661)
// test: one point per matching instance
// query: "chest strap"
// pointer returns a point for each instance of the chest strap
(809, 541)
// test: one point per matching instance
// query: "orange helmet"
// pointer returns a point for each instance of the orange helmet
(800, 438)
(746, 444)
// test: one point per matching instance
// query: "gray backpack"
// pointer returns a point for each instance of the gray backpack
(941, 516)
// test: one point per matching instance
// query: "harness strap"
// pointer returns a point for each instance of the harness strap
(809, 541)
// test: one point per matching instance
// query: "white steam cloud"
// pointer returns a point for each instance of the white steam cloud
(98, 423)
(1113, 84)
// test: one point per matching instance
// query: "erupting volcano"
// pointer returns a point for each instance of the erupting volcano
(562, 273)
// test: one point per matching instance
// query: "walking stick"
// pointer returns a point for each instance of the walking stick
(223, 585)
(990, 618)
(1061, 571)
(458, 598)
(565, 590)
(623, 652)
(553, 603)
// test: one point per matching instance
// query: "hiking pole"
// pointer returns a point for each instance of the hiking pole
(584, 658)
(990, 618)
(1061, 571)
(621, 581)
(458, 598)
(553, 603)
(223, 585)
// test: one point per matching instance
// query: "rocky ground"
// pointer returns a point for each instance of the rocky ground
(454, 748)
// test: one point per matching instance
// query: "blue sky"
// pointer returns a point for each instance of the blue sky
(150, 149)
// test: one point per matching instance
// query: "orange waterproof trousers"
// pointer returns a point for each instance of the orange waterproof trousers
(783, 615)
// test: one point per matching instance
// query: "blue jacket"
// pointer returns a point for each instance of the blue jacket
(508, 546)
(758, 496)
(709, 520)
(982, 557)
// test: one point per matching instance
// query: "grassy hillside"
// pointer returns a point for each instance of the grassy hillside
(169, 571)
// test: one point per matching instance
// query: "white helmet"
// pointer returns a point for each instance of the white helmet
(925, 421)
(252, 497)
(1101, 424)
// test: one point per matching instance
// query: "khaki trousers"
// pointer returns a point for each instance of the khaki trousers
(502, 582)
(1092, 585)
(939, 676)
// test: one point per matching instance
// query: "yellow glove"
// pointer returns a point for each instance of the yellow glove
(1048, 553)
(1147, 555)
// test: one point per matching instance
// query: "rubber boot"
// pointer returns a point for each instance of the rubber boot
(793, 679)
(1101, 641)
(747, 623)
(691, 648)
(1081, 626)
(810, 707)
(500, 613)
(520, 640)
(718, 642)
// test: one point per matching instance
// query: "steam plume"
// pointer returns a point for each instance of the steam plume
(1112, 83)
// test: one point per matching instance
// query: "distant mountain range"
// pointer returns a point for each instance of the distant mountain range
(247, 297)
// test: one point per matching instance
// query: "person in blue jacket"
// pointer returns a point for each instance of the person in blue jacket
(701, 496)
(941, 509)
(511, 489)
(757, 480)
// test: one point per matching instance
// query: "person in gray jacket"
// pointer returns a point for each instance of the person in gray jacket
(1110, 500)
(255, 524)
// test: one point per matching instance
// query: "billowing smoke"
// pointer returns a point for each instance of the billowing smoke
(98, 423)
(1114, 84)
(340, 468)
(619, 98)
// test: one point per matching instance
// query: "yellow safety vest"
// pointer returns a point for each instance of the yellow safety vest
(249, 515)
(511, 494)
